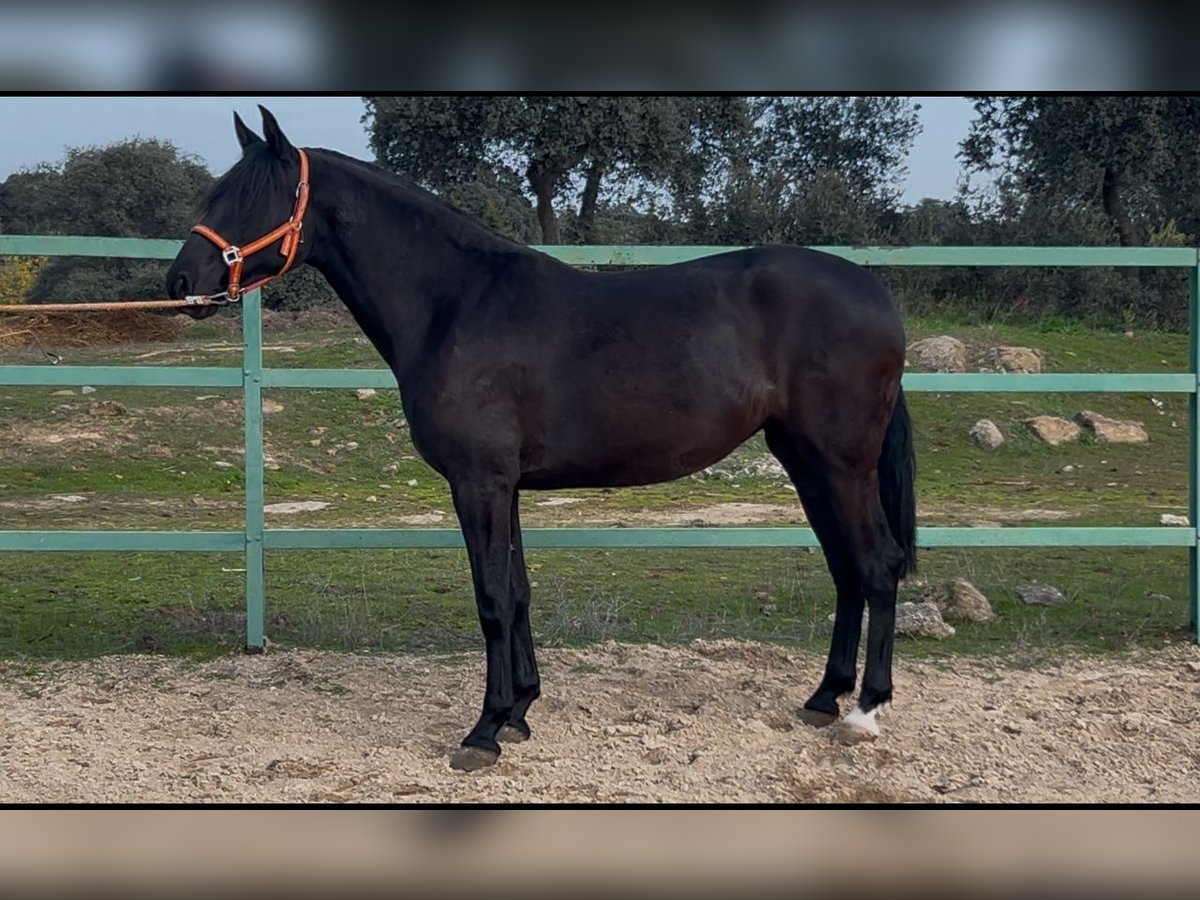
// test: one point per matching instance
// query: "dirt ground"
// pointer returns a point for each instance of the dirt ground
(713, 721)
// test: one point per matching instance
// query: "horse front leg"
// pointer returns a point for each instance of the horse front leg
(484, 510)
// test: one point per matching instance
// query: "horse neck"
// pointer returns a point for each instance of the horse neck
(397, 261)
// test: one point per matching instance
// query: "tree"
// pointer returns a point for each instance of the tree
(864, 140)
(1136, 158)
(30, 200)
(133, 188)
(557, 146)
(811, 170)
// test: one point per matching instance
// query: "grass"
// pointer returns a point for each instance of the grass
(155, 465)
(80, 605)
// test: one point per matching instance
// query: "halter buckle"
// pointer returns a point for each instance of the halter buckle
(231, 255)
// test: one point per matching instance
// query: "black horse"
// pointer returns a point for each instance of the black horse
(518, 372)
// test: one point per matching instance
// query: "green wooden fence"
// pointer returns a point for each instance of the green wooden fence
(252, 377)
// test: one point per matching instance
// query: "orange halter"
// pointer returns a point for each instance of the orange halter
(290, 232)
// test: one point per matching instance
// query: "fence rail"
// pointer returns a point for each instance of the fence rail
(255, 538)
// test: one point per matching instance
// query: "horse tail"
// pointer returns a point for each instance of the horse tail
(897, 472)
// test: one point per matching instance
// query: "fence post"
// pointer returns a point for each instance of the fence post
(252, 394)
(1194, 451)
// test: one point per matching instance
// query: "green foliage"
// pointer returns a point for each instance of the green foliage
(495, 198)
(17, 277)
(1136, 158)
(302, 288)
(563, 148)
(811, 170)
(133, 188)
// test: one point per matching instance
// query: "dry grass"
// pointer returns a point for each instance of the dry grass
(87, 329)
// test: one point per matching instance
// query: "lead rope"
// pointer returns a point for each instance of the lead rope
(112, 305)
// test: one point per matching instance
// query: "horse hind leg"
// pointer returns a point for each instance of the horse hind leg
(840, 676)
(879, 561)
(526, 682)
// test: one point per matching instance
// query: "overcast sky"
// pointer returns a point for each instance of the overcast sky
(39, 129)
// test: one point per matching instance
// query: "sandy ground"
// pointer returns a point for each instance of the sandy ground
(713, 721)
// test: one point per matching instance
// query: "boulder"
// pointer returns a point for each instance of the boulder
(921, 620)
(1052, 429)
(1113, 431)
(1017, 359)
(939, 354)
(986, 434)
(958, 600)
(1040, 595)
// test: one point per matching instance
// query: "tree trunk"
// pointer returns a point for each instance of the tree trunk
(587, 207)
(1110, 192)
(542, 179)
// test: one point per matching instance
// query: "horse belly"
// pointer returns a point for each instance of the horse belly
(639, 447)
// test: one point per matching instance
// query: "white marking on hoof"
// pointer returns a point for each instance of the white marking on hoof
(863, 721)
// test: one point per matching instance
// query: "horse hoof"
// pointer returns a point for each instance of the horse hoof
(816, 718)
(469, 759)
(511, 734)
(859, 726)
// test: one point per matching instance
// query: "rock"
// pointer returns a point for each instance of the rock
(371, 498)
(106, 408)
(1169, 519)
(390, 469)
(986, 434)
(221, 464)
(87, 389)
(1040, 595)
(352, 445)
(63, 394)
(412, 482)
(921, 620)
(1017, 359)
(271, 406)
(365, 393)
(939, 354)
(958, 600)
(1113, 431)
(69, 498)
(1052, 429)
(295, 506)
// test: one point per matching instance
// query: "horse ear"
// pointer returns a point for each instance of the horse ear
(276, 139)
(245, 136)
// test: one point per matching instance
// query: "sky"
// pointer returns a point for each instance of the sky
(39, 129)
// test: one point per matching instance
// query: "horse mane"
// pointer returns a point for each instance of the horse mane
(259, 175)
(254, 177)
(465, 228)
